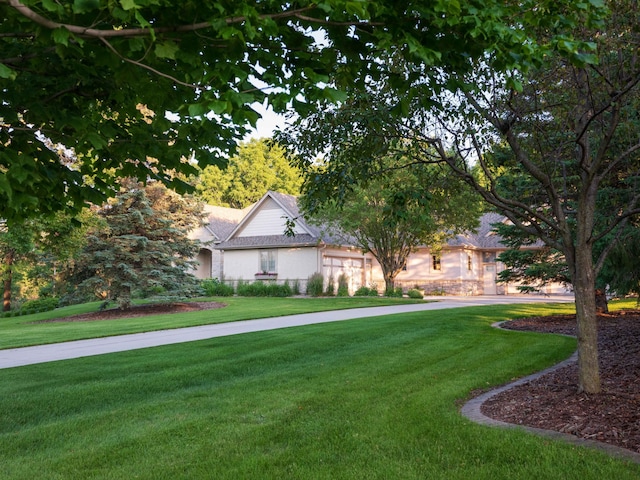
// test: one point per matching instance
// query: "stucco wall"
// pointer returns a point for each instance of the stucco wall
(291, 264)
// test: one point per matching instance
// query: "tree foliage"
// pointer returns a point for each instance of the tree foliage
(549, 145)
(258, 166)
(37, 253)
(16, 245)
(142, 248)
(396, 210)
(133, 88)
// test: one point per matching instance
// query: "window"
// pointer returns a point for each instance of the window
(469, 262)
(437, 263)
(268, 261)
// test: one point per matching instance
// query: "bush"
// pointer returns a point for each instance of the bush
(264, 289)
(415, 293)
(366, 292)
(215, 288)
(255, 289)
(343, 286)
(41, 304)
(296, 287)
(315, 285)
(331, 288)
(393, 292)
(33, 306)
(279, 290)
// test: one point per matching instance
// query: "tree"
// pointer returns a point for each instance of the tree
(16, 244)
(143, 248)
(259, 166)
(134, 88)
(528, 261)
(392, 213)
(567, 127)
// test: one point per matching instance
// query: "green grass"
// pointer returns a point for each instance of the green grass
(24, 331)
(371, 398)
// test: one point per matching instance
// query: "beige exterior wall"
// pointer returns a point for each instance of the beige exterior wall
(454, 277)
(209, 259)
(291, 264)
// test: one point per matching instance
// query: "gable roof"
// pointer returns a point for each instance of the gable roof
(221, 221)
(283, 207)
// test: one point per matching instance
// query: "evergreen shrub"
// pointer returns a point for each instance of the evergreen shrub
(393, 292)
(366, 292)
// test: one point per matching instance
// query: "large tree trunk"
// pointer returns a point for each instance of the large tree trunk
(587, 328)
(389, 281)
(7, 281)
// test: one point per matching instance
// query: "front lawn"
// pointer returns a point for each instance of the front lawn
(26, 330)
(373, 398)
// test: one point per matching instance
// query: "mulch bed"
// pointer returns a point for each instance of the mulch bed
(139, 311)
(551, 402)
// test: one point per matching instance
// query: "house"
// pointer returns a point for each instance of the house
(218, 224)
(251, 244)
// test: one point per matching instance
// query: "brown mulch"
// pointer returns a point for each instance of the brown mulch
(552, 402)
(139, 311)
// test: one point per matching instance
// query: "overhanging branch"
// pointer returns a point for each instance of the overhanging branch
(138, 32)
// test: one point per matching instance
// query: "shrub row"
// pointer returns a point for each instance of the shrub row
(215, 288)
(264, 289)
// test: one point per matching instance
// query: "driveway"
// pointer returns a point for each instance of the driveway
(17, 357)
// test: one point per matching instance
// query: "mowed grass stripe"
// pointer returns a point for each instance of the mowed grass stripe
(364, 399)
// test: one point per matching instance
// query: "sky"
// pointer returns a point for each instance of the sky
(269, 122)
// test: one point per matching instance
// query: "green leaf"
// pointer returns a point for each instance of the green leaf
(84, 6)
(128, 4)
(51, 6)
(219, 107)
(335, 95)
(197, 110)
(167, 49)
(6, 72)
(61, 35)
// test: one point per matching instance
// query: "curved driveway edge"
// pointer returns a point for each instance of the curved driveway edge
(472, 411)
(17, 357)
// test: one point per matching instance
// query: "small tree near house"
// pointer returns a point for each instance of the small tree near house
(400, 207)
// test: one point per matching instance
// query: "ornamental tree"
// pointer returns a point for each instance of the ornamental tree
(394, 212)
(568, 124)
(143, 247)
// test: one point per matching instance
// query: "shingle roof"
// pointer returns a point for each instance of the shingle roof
(222, 220)
(484, 237)
(269, 241)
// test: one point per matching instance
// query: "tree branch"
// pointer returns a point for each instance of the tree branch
(137, 32)
(147, 67)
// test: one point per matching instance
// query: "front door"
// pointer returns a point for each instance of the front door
(489, 275)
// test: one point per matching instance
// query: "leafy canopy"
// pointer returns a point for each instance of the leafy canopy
(258, 166)
(93, 91)
(401, 206)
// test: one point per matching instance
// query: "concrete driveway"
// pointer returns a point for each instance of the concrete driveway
(17, 357)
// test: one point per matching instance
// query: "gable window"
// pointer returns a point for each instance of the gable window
(268, 261)
(437, 262)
